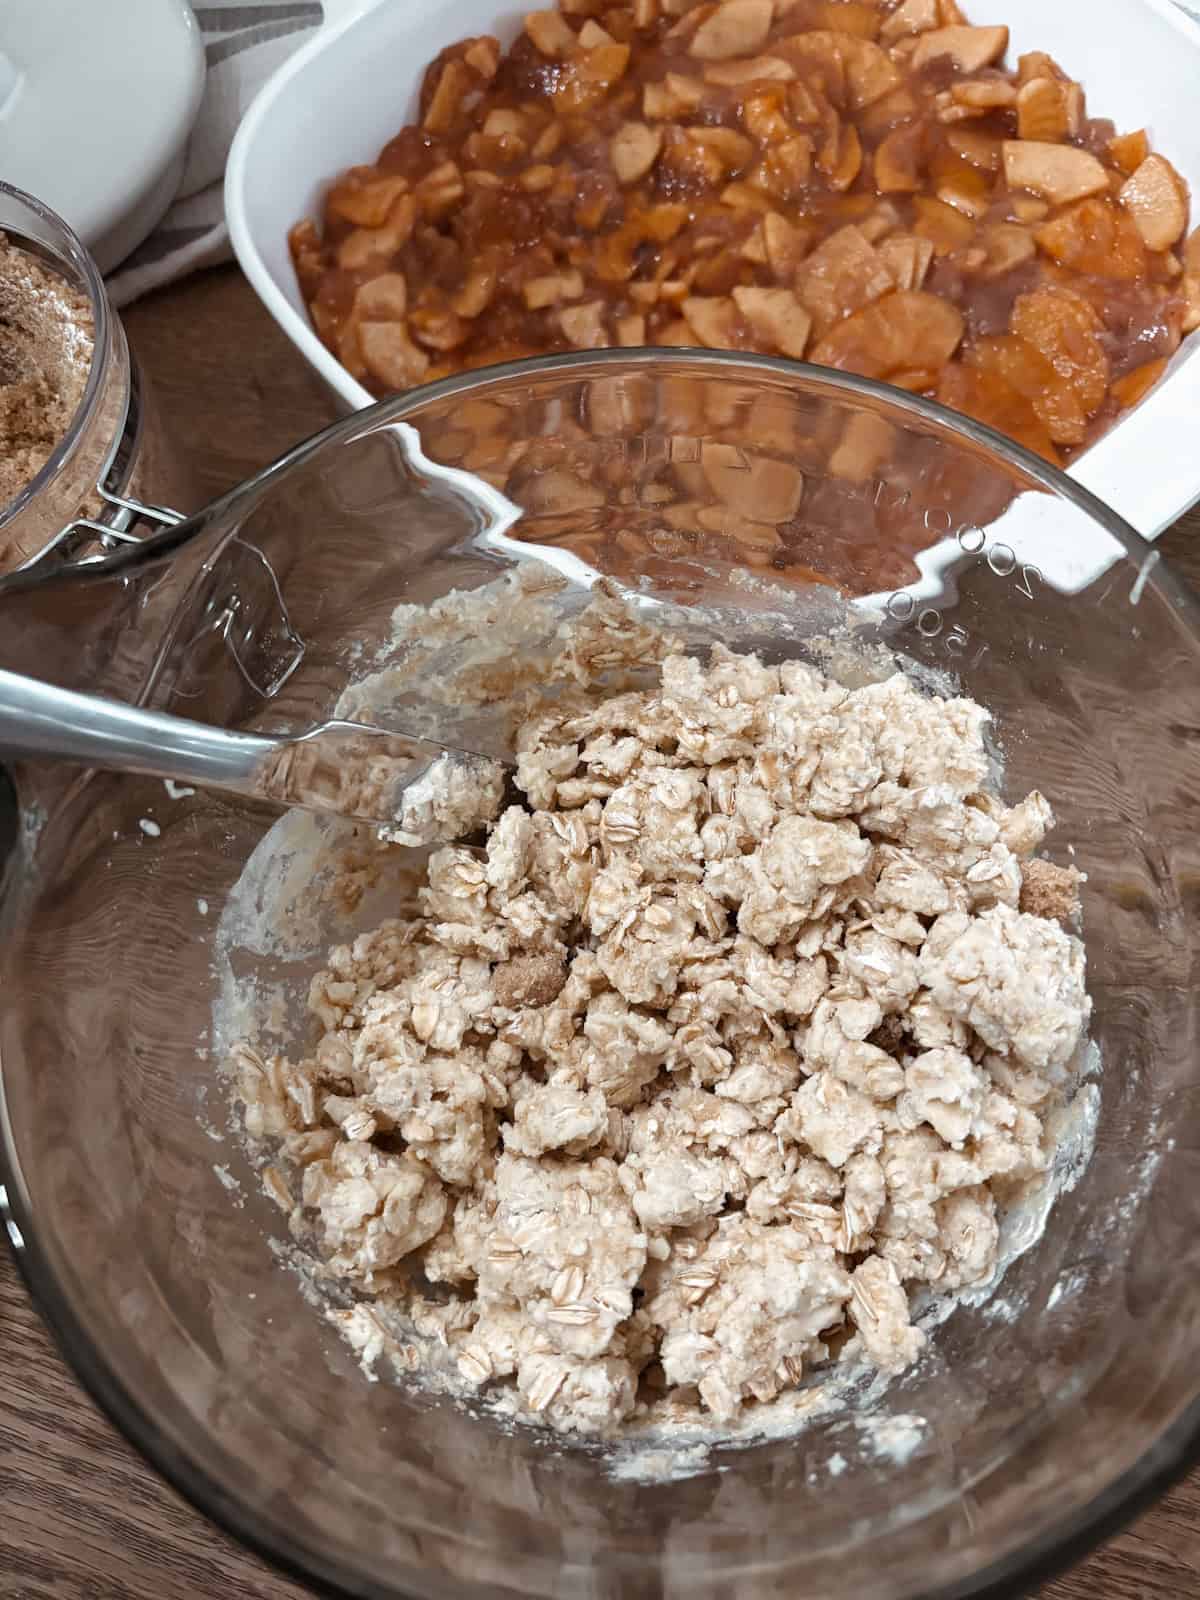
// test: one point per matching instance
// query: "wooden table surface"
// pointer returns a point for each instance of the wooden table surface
(81, 1516)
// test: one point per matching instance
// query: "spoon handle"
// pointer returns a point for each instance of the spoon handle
(39, 719)
(346, 769)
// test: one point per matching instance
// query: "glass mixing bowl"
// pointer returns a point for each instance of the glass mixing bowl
(1037, 1420)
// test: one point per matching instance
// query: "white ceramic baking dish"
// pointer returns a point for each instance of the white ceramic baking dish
(355, 84)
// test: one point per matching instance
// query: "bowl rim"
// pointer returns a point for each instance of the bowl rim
(1163, 1462)
(130, 559)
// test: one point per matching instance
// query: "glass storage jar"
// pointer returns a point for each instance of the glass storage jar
(109, 478)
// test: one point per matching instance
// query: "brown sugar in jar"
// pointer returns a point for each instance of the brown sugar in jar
(48, 339)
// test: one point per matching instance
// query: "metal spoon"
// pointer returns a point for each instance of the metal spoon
(348, 769)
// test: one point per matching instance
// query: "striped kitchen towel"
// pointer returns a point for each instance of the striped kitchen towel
(244, 42)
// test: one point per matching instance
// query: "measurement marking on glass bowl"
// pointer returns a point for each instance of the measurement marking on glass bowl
(644, 450)
(1001, 558)
(929, 621)
(929, 624)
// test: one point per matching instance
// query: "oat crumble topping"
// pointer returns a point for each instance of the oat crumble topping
(742, 1029)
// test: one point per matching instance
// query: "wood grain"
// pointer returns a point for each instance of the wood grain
(81, 1516)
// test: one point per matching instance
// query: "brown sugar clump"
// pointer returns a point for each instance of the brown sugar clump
(1050, 891)
(529, 981)
(889, 1036)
